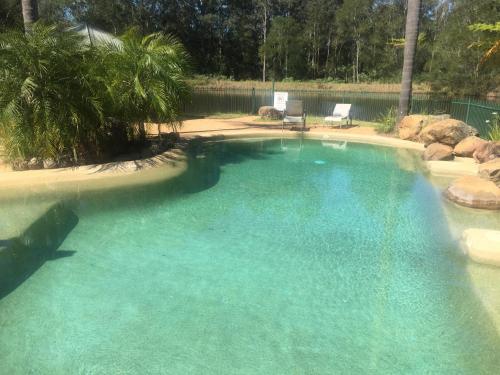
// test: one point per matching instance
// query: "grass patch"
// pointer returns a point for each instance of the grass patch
(218, 83)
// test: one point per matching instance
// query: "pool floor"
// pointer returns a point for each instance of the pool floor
(266, 257)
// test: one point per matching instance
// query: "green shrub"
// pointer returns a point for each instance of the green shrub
(494, 133)
(48, 107)
(145, 78)
(387, 122)
(64, 100)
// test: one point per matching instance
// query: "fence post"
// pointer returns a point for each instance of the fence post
(253, 101)
(468, 111)
(272, 93)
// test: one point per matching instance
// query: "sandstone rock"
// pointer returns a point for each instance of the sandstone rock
(467, 146)
(438, 151)
(475, 192)
(269, 112)
(482, 245)
(449, 132)
(487, 151)
(410, 126)
(491, 171)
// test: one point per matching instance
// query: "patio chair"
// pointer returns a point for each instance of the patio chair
(294, 114)
(340, 112)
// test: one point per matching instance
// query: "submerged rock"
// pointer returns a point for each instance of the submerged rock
(487, 151)
(449, 132)
(467, 146)
(475, 192)
(491, 171)
(482, 245)
(438, 151)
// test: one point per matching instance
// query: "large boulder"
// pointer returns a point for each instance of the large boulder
(487, 152)
(491, 171)
(475, 192)
(449, 132)
(410, 126)
(467, 146)
(438, 151)
(269, 112)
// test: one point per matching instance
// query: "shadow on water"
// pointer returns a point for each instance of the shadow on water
(205, 162)
(20, 257)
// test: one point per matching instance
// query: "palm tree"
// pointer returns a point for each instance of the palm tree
(30, 13)
(145, 77)
(48, 106)
(411, 37)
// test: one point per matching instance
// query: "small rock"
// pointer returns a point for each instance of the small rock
(269, 112)
(475, 192)
(467, 146)
(438, 151)
(19, 164)
(35, 163)
(449, 132)
(49, 163)
(487, 152)
(491, 171)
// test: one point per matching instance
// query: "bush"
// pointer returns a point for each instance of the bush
(64, 100)
(387, 122)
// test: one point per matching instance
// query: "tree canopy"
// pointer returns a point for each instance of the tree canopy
(353, 41)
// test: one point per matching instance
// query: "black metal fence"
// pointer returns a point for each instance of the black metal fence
(366, 106)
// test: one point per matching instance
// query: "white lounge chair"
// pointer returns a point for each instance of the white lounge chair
(340, 112)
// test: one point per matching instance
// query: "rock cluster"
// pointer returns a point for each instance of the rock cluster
(446, 138)
(441, 132)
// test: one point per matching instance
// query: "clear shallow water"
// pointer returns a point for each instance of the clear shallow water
(261, 259)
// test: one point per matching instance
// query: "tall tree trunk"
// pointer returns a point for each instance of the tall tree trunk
(30, 13)
(358, 48)
(411, 37)
(264, 32)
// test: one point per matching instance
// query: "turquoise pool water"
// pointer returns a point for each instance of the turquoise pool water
(266, 257)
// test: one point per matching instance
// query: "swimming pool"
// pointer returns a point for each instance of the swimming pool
(265, 257)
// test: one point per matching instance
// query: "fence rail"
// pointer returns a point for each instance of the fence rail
(366, 106)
